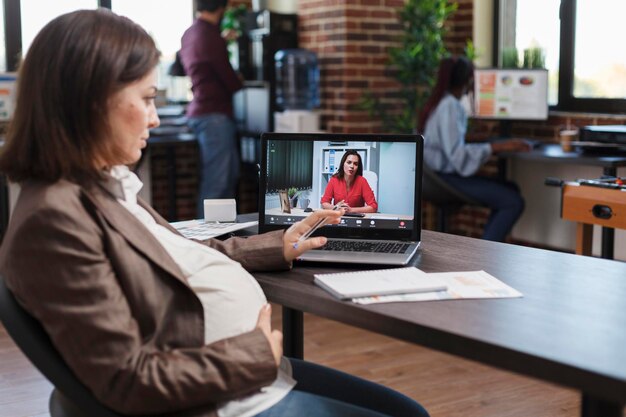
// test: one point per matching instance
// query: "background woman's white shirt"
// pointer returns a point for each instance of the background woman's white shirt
(445, 149)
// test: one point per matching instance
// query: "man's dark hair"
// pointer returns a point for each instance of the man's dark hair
(210, 5)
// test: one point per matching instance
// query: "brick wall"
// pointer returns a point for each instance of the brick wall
(235, 3)
(460, 26)
(185, 158)
(351, 39)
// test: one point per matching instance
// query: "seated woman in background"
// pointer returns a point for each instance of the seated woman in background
(348, 188)
(444, 125)
(148, 321)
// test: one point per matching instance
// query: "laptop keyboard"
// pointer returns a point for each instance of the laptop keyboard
(360, 246)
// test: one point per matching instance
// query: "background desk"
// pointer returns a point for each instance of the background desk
(567, 329)
(553, 153)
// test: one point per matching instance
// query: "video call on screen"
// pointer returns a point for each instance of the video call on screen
(299, 173)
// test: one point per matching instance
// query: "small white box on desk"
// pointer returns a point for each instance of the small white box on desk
(297, 121)
(220, 210)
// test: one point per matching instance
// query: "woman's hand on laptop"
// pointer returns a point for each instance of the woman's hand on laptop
(296, 239)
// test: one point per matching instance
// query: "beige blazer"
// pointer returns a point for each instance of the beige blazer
(118, 308)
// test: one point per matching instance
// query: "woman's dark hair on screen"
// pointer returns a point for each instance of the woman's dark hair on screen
(359, 170)
(454, 72)
(73, 67)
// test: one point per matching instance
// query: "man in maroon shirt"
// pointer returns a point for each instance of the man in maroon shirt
(204, 56)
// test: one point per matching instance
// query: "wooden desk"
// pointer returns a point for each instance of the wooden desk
(553, 153)
(567, 329)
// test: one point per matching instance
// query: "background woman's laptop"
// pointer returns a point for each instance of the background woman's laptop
(304, 164)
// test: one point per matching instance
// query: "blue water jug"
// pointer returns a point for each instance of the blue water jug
(297, 79)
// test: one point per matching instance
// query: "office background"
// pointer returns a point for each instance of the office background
(351, 39)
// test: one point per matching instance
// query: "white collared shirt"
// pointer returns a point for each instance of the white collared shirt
(445, 149)
(230, 296)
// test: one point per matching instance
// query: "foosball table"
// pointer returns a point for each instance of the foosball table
(593, 202)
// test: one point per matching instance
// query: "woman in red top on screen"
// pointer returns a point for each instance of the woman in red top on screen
(348, 187)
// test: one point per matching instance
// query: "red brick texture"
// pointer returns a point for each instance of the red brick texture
(351, 39)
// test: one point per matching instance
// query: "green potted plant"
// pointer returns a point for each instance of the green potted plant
(414, 63)
(232, 18)
(293, 196)
(231, 27)
(510, 58)
(534, 57)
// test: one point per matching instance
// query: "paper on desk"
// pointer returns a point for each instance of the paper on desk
(200, 230)
(466, 284)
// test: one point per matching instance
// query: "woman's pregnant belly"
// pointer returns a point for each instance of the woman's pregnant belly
(231, 299)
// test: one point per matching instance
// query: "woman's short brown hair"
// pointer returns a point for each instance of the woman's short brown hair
(74, 65)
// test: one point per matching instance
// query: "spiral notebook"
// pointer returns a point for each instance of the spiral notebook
(356, 284)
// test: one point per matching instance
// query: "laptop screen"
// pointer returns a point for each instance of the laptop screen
(301, 173)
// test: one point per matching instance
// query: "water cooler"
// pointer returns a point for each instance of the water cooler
(297, 91)
(264, 34)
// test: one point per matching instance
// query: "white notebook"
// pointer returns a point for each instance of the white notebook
(355, 284)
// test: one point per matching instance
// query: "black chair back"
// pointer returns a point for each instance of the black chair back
(438, 192)
(443, 196)
(33, 341)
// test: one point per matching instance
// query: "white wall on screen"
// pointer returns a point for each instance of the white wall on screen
(396, 178)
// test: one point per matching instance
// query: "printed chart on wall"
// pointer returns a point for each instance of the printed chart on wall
(511, 94)
(7, 95)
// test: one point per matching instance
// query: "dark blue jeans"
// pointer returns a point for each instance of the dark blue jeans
(216, 135)
(325, 392)
(502, 197)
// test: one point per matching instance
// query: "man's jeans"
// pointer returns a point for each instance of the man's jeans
(216, 135)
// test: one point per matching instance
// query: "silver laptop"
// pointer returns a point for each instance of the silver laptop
(299, 171)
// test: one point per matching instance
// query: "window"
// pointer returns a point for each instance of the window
(36, 13)
(583, 52)
(3, 51)
(599, 54)
(526, 24)
(165, 21)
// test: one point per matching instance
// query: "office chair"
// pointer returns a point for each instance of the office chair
(70, 397)
(443, 196)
